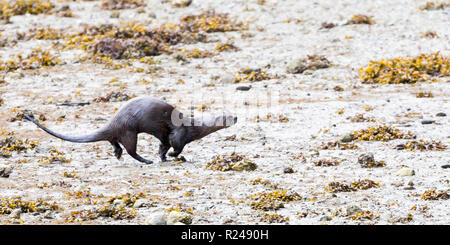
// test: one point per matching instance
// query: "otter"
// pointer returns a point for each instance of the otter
(152, 116)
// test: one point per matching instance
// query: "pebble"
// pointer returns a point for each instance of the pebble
(288, 170)
(227, 79)
(245, 165)
(352, 209)
(445, 166)
(347, 138)
(441, 114)
(16, 213)
(5, 171)
(325, 218)
(141, 203)
(175, 217)
(244, 88)
(405, 172)
(157, 218)
(427, 121)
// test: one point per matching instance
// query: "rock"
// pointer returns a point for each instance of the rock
(325, 218)
(427, 121)
(405, 172)
(441, 114)
(347, 138)
(175, 217)
(288, 170)
(352, 209)
(157, 218)
(366, 160)
(16, 213)
(49, 215)
(445, 166)
(244, 88)
(119, 203)
(5, 171)
(227, 79)
(141, 203)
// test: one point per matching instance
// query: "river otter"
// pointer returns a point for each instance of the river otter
(153, 116)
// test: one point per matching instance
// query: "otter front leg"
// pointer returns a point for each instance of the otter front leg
(163, 148)
(176, 151)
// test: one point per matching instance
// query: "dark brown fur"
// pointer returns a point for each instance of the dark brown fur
(152, 116)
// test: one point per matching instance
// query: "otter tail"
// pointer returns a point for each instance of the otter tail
(96, 136)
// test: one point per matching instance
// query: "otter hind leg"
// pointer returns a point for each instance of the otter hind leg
(129, 141)
(117, 149)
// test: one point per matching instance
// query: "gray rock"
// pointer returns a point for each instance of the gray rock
(157, 218)
(367, 160)
(119, 203)
(352, 209)
(441, 114)
(244, 88)
(445, 166)
(347, 138)
(427, 121)
(5, 171)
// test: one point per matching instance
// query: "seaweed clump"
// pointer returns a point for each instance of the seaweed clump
(326, 162)
(434, 6)
(37, 59)
(252, 75)
(20, 7)
(233, 161)
(433, 195)
(9, 143)
(406, 70)
(381, 133)
(7, 205)
(273, 200)
(334, 187)
(422, 145)
(360, 19)
(122, 4)
(210, 21)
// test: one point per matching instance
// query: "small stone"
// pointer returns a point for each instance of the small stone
(352, 209)
(157, 218)
(400, 147)
(227, 79)
(441, 114)
(325, 218)
(405, 172)
(119, 203)
(366, 160)
(115, 14)
(141, 203)
(244, 88)
(347, 138)
(5, 171)
(288, 170)
(427, 121)
(16, 213)
(49, 215)
(175, 217)
(445, 166)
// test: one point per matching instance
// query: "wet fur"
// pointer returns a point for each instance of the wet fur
(144, 115)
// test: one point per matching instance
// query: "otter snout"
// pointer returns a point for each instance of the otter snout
(226, 121)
